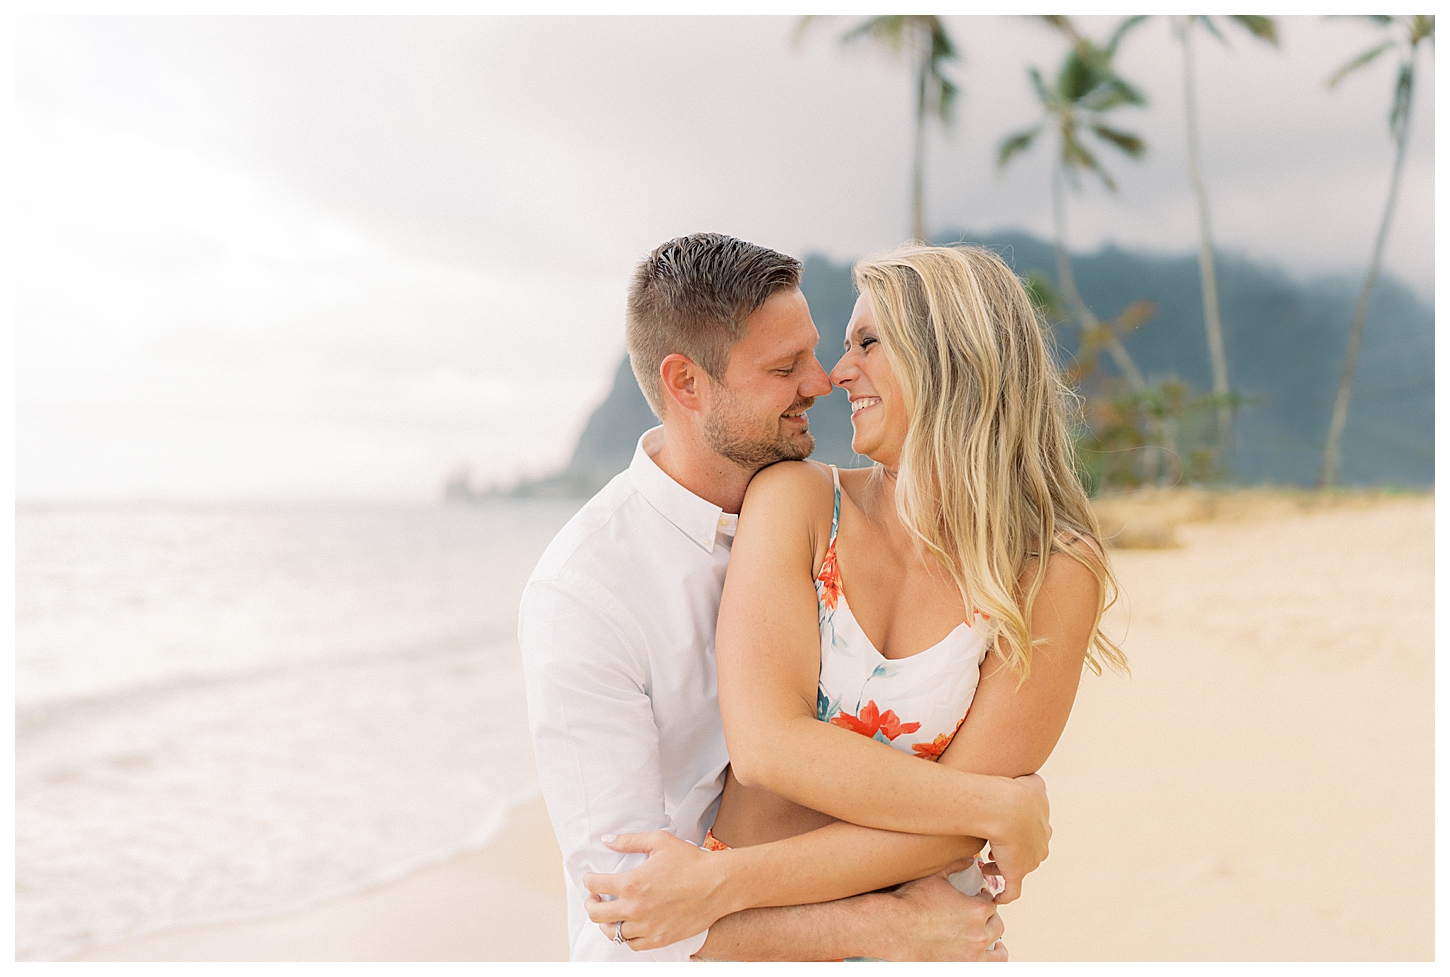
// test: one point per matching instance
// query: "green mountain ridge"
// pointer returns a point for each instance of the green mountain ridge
(1284, 340)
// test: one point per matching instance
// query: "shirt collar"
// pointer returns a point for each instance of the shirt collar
(704, 522)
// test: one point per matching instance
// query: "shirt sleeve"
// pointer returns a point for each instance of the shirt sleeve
(595, 740)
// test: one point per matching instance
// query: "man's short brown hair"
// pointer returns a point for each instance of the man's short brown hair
(692, 296)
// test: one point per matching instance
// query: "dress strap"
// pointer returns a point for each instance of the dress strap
(836, 510)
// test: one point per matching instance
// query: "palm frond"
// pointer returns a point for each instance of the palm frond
(1211, 27)
(1110, 93)
(1126, 141)
(1263, 28)
(1359, 62)
(942, 48)
(1064, 26)
(1134, 316)
(1422, 27)
(801, 26)
(1044, 95)
(888, 31)
(1077, 158)
(943, 99)
(1018, 142)
(1078, 74)
(1404, 89)
(1122, 29)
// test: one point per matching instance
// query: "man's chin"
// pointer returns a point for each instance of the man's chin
(803, 444)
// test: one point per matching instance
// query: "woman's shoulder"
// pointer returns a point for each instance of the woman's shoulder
(790, 479)
(1074, 568)
(789, 488)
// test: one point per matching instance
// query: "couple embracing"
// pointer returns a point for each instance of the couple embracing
(803, 757)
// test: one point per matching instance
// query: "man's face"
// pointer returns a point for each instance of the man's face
(757, 415)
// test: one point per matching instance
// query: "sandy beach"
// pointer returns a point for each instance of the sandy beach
(1261, 788)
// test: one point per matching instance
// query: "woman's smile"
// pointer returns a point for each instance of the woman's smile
(863, 403)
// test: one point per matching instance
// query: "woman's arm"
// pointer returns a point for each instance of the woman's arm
(1011, 729)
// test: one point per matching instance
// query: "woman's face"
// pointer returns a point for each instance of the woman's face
(878, 410)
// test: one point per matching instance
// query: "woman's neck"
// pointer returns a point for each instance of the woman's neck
(878, 501)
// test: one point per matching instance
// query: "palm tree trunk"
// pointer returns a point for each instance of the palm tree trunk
(1330, 474)
(1208, 278)
(918, 165)
(1089, 323)
(1065, 282)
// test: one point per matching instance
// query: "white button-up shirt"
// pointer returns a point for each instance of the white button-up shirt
(617, 627)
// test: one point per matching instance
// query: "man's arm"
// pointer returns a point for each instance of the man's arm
(923, 920)
(595, 742)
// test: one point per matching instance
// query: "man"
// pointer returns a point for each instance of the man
(617, 622)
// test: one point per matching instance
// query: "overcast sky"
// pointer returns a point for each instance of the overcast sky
(340, 256)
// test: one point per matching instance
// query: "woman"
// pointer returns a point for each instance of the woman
(961, 643)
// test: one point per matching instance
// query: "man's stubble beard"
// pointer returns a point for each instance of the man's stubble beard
(753, 453)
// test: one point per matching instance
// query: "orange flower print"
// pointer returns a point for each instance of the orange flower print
(829, 578)
(872, 721)
(934, 749)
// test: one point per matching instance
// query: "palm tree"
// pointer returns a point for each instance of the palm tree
(1086, 89)
(1407, 33)
(926, 40)
(1264, 29)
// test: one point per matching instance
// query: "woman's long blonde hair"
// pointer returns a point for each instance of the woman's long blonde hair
(986, 480)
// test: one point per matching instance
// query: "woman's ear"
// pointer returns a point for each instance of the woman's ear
(683, 382)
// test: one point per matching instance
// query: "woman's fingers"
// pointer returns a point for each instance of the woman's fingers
(609, 912)
(634, 942)
(1011, 890)
(629, 932)
(605, 911)
(642, 841)
(647, 842)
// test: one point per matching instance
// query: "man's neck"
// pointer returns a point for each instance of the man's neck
(682, 455)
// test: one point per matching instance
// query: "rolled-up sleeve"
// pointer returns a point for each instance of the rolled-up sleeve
(596, 741)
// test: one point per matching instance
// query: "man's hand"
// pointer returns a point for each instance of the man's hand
(1024, 847)
(673, 896)
(940, 923)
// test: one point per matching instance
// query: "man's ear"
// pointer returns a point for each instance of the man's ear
(683, 382)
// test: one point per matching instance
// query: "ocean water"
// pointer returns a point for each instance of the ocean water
(227, 711)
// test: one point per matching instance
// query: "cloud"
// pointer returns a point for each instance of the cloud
(360, 251)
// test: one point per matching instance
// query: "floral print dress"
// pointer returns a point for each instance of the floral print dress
(914, 704)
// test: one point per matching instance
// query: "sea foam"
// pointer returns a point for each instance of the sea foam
(216, 780)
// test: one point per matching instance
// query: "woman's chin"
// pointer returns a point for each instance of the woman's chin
(864, 448)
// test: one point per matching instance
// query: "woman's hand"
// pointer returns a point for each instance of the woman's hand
(674, 895)
(1022, 845)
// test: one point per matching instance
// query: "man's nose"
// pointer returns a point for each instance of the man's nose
(817, 384)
